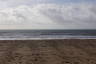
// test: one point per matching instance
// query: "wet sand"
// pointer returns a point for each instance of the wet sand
(48, 51)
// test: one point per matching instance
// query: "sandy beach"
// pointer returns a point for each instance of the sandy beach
(67, 51)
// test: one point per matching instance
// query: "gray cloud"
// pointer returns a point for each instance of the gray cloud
(50, 16)
(78, 16)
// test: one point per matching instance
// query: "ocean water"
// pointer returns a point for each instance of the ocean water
(46, 34)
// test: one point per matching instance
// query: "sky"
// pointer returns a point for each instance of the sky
(47, 14)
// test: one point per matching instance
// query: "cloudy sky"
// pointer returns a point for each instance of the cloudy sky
(47, 14)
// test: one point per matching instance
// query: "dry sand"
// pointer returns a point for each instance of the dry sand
(48, 52)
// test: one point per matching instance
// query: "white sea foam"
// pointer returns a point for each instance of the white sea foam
(47, 37)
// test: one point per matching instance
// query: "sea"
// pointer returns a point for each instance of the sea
(46, 34)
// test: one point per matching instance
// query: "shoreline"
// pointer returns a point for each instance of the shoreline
(47, 39)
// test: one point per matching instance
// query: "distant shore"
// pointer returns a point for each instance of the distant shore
(60, 51)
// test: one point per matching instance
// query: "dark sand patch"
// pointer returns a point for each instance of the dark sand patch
(48, 52)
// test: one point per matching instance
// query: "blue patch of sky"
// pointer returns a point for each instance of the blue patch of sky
(59, 1)
(72, 1)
